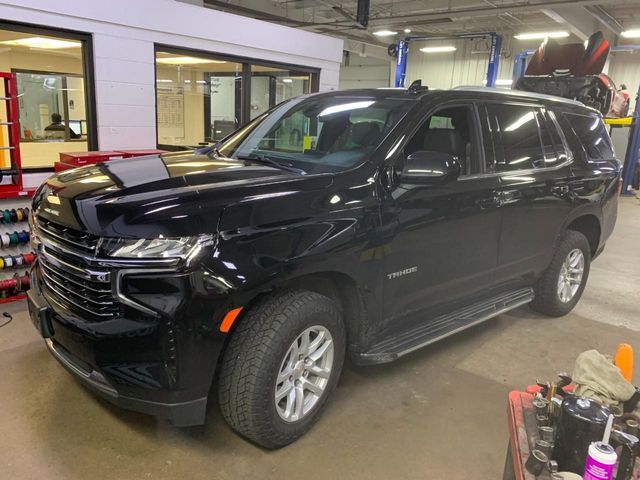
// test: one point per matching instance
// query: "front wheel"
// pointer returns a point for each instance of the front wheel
(561, 286)
(281, 366)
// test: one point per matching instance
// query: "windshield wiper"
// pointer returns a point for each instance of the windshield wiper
(209, 149)
(264, 160)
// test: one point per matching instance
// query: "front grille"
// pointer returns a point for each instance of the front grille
(82, 241)
(68, 275)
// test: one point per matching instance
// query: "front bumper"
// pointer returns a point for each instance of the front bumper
(161, 366)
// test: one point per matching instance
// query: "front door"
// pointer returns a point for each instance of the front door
(442, 239)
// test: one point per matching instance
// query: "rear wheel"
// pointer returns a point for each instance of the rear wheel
(561, 286)
(281, 366)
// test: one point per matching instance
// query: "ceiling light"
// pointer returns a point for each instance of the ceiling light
(407, 30)
(40, 42)
(631, 33)
(287, 80)
(444, 48)
(185, 60)
(541, 35)
(384, 33)
(164, 80)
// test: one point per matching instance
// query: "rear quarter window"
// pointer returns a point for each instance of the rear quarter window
(587, 133)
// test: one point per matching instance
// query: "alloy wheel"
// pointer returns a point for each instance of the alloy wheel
(304, 373)
(571, 273)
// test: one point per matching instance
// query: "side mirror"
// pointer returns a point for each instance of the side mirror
(426, 166)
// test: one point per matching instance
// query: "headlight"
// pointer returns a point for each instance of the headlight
(184, 248)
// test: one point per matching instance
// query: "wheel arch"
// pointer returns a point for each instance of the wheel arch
(338, 286)
(589, 225)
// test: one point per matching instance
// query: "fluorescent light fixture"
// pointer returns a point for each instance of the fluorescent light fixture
(384, 33)
(541, 35)
(443, 48)
(407, 30)
(287, 80)
(185, 60)
(164, 80)
(631, 33)
(500, 81)
(41, 42)
(345, 107)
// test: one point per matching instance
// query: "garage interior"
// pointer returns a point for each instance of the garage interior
(440, 412)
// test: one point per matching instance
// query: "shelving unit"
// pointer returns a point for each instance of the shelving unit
(14, 188)
(11, 186)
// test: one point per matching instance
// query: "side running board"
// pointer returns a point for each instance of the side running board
(440, 327)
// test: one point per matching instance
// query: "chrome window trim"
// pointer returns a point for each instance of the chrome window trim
(511, 173)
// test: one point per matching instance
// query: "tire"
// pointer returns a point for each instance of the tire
(547, 291)
(252, 365)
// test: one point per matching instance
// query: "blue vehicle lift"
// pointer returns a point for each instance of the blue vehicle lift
(632, 155)
(402, 51)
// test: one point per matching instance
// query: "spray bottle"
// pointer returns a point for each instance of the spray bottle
(601, 458)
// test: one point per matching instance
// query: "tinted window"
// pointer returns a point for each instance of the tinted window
(320, 133)
(450, 130)
(516, 133)
(587, 133)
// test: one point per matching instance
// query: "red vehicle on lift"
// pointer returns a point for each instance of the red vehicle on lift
(574, 71)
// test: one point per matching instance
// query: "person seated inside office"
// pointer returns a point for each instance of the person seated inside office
(56, 128)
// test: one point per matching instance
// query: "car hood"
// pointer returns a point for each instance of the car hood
(576, 59)
(170, 194)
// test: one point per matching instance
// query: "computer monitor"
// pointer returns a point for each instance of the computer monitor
(75, 126)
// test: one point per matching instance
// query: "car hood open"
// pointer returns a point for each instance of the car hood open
(576, 59)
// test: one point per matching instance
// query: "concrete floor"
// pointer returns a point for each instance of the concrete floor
(438, 413)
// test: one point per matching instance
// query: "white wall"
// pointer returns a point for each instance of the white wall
(365, 72)
(466, 66)
(124, 33)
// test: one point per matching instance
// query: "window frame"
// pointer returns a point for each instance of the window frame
(538, 107)
(88, 73)
(432, 110)
(243, 103)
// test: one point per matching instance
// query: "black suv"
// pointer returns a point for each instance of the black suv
(367, 222)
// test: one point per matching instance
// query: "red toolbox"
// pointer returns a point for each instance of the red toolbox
(78, 159)
(140, 153)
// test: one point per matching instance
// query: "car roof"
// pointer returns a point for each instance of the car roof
(481, 93)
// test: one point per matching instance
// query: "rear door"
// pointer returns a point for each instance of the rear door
(532, 162)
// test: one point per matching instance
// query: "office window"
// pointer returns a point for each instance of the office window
(53, 107)
(198, 98)
(270, 86)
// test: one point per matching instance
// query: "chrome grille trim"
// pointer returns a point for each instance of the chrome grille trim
(63, 297)
(64, 257)
(84, 241)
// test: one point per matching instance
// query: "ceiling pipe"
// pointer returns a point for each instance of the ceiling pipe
(487, 11)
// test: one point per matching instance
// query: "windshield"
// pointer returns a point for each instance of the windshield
(318, 134)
